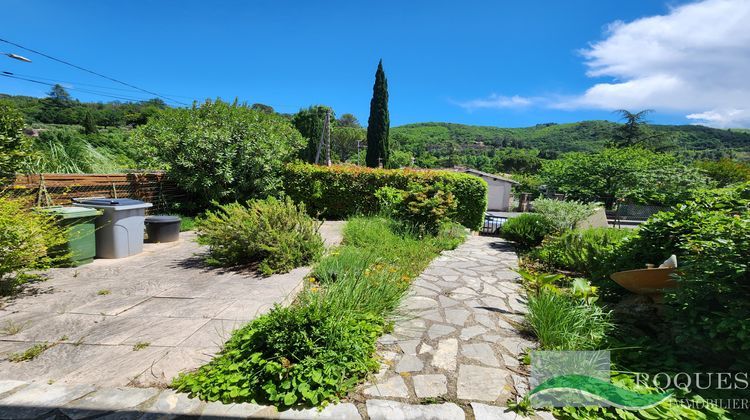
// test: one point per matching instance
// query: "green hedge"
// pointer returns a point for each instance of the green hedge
(341, 191)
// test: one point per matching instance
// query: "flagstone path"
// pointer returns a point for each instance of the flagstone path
(458, 340)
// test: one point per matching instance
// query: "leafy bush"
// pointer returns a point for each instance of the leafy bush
(584, 251)
(527, 230)
(219, 151)
(276, 234)
(317, 350)
(563, 322)
(343, 191)
(426, 207)
(25, 239)
(14, 145)
(725, 171)
(709, 311)
(564, 214)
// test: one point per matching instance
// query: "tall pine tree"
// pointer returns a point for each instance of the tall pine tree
(378, 124)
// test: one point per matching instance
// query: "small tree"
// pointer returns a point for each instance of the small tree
(88, 123)
(378, 124)
(59, 94)
(348, 120)
(219, 151)
(14, 145)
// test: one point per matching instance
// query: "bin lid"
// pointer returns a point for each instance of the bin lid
(111, 203)
(162, 219)
(70, 212)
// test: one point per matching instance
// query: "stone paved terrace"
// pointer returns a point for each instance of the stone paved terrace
(452, 355)
(95, 315)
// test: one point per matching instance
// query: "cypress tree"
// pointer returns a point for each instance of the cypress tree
(379, 122)
(88, 123)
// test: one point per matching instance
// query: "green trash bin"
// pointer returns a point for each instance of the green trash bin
(80, 226)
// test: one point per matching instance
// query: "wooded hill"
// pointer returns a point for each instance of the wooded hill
(551, 139)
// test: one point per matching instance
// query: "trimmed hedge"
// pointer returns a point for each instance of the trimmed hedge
(341, 191)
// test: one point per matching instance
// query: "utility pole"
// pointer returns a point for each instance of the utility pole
(325, 140)
(358, 143)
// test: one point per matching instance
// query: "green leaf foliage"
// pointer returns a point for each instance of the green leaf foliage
(341, 191)
(14, 145)
(564, 214)
(635, 174)
(426, 208)
(527, 230)
(27, 238)
(276, 234)
(725, 171)
(219, 151)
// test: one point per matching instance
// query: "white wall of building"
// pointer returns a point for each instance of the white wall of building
(498, 195)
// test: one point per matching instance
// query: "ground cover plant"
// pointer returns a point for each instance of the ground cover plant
(316, 350)
(342, 191)
(275, 234)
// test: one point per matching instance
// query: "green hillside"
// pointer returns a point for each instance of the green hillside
(550, 139)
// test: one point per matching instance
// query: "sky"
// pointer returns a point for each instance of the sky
(499, 63)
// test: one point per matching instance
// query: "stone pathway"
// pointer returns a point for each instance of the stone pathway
(453, 354)
(457, 341)
(164, 300)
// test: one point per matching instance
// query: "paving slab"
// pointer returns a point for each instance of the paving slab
(38, 399)
(394, 410)
(430, 386)
(93, 315)
(107, 400)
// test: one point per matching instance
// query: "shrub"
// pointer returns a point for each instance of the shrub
(426, 208)
(304, 354)
(564, 214)
(562, 322)
(318, 349)
(584, 251)
(527, 230)
(709, 311)
(343, 191)
(220, 152)
(25, 239)
(276, 234)
(14, 145)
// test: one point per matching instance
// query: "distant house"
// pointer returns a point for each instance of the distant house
(498, 191)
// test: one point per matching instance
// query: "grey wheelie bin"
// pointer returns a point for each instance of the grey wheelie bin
(119, 230)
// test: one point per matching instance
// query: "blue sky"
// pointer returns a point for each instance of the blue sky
(502, 63)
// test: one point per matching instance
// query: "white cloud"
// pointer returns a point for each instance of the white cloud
(495, 101)
(695, 59)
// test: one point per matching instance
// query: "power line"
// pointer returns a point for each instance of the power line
(92, 72)
(94, 92)
(85, 84)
